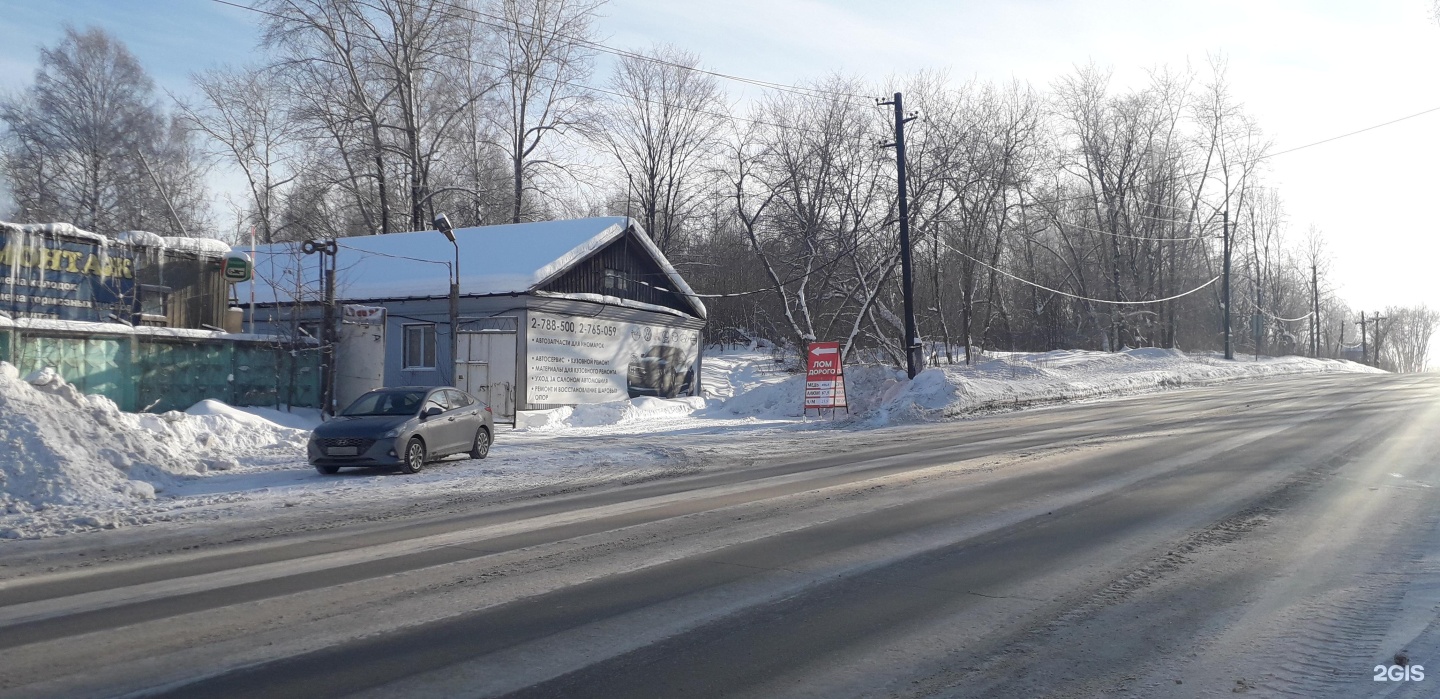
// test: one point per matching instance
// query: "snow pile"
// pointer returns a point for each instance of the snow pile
(63, 450)
(623, 412)
(70, 461)
(1023, 378)
(61, 447)
(752, 385)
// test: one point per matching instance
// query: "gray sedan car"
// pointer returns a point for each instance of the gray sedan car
(404, 427)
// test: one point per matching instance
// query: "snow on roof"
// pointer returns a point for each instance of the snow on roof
(141, 239)
(199, 246)
(92, 328)
(62, 229)
(508, 259)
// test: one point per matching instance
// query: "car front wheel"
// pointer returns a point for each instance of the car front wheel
(414, 456)
(481, 447)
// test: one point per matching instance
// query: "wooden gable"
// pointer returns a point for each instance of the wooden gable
(622, 269)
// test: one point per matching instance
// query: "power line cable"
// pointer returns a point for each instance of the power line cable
(556, 81)
(1248, 161)
(734, 118)
(507, 25)
(1272, 316)
(1075, 296)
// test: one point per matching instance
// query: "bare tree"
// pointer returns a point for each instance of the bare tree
(1407, 332)
(88, 143)
(663, 131)
(245, 116)
(544, 55)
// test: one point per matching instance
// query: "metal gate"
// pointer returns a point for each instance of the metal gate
(486, 365)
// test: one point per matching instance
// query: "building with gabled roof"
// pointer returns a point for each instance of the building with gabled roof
(550, 314)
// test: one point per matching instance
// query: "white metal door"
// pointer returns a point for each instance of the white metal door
(474, 378)
(494, 350)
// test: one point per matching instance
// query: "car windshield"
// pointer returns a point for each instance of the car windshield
(386, 403)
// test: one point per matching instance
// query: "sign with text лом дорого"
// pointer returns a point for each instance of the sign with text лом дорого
(824, 377)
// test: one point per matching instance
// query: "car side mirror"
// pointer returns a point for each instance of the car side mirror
(430, 412)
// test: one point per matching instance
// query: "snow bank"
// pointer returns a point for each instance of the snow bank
(81, 460)
(751, 385)
(1025, 378)
(623, 412)
(70, 461)
(61, 447)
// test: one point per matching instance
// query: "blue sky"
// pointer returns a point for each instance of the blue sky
(171, 38)
(1307, 69)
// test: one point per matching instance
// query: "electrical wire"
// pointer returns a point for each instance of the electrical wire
(734, 118)
(1250, 161)
(475, 15)
(1075, 296)
(758, 83)
(580, 86)
(1272, 316)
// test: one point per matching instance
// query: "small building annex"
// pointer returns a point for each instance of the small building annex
(550, 314)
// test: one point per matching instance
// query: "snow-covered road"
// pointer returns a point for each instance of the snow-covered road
(1274, 537)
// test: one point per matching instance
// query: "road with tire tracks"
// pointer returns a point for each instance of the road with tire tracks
(1275, 537)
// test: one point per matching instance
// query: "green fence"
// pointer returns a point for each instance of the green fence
(159, 373)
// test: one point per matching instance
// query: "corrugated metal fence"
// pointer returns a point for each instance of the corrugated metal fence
(159, 373)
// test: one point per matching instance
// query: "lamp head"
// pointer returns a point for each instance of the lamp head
(442, 224)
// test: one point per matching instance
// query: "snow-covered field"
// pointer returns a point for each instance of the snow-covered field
(71, 462)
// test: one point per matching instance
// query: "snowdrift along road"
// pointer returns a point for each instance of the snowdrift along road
(71, 462)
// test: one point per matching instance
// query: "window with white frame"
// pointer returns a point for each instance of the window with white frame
(419, 346)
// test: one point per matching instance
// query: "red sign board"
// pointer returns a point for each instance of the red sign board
(825, 376)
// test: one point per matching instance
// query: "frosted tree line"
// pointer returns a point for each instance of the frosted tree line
(1076, 214)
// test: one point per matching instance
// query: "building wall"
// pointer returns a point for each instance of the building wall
(475, 313)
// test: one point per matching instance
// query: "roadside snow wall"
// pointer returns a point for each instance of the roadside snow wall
(60, 447)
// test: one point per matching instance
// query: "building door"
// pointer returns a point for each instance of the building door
(486, 368)
(474, 378)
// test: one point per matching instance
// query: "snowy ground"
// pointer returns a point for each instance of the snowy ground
(70, 462)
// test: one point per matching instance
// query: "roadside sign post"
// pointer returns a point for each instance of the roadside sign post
(824, 378)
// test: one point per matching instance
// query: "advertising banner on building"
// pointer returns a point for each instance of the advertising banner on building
(573, 360)
(44, 276)
(824, 376)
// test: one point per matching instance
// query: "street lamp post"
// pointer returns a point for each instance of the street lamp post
(442, 223)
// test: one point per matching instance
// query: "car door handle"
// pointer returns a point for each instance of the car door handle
(450, 419)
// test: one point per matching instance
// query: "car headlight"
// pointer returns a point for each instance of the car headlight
(393, 433)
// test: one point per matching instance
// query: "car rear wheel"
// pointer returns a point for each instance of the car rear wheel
(414, 456)
(481, 447)
(327, 470)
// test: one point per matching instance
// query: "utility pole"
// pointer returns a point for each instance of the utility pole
(1314, 310)
(1340, 343)
(1225, 285)
(1364, 352)
(1376, 334)
(912, 339)
(1257, 322)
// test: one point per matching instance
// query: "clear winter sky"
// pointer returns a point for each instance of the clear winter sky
(1307, 69)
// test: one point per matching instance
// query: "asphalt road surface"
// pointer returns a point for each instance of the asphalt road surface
(1277, 538)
